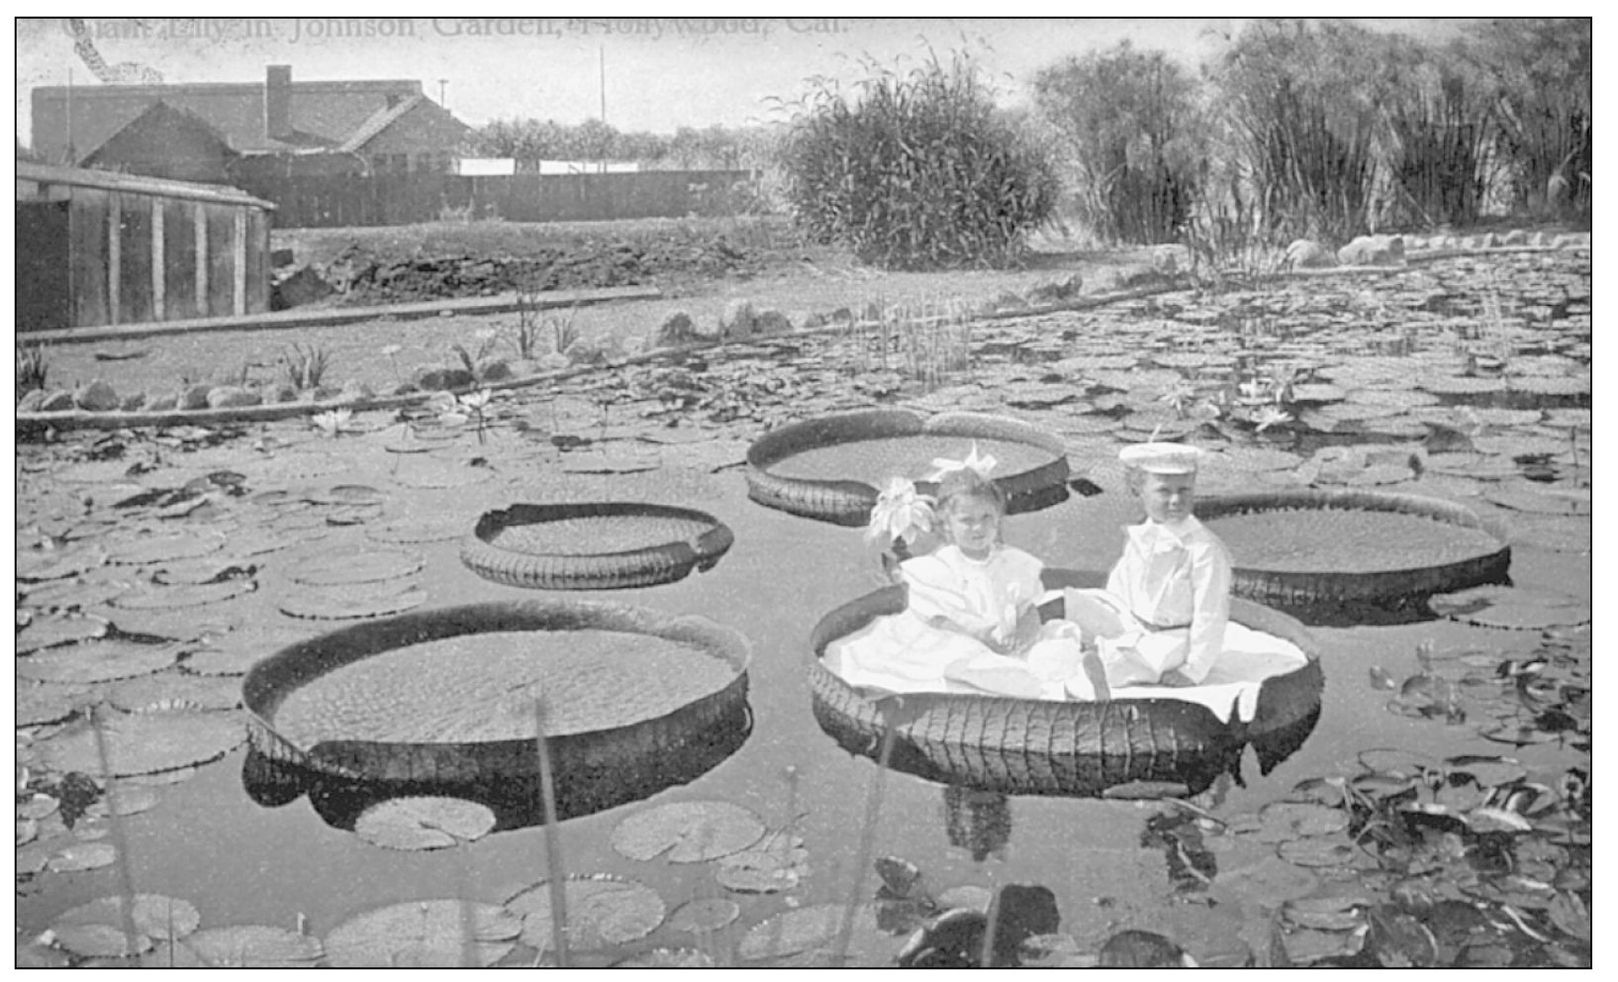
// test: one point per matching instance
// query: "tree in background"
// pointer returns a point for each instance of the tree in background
(1541, 77)
(917, 171)
(1129, 128)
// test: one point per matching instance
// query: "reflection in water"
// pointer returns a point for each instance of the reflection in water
(515, 801)
(978, 821)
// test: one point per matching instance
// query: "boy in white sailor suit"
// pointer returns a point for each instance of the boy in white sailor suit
(1161, 619)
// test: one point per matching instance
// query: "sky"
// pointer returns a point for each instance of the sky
(660, 73)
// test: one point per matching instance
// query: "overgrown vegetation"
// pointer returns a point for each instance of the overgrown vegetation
(304, 365)
(916, 171)
(1325, 130)
(32, 368)
(1129, 126)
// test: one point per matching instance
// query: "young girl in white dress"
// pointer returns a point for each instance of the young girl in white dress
(971, 624)
(1162, 618)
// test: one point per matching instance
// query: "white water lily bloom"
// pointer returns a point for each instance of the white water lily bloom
(973, 461)
(1270, 416)
(476, 400)
(900, 512)
(331, 423)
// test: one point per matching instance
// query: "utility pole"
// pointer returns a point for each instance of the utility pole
(603, 50)
(441, 83)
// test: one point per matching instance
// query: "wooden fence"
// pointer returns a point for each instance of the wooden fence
(327, 201)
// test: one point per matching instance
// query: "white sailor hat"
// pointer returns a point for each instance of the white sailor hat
(1161, 458)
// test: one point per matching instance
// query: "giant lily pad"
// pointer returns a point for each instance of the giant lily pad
(255, 946)
(424, 823)
(688, 831)
(96, 661)
(37, 704)
(145, 742)
(602, 911)
(135, 550)
(424, 934)
(171, 597)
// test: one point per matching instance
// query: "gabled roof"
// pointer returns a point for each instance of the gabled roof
(379, 121)
(158, 115)
(323, 113)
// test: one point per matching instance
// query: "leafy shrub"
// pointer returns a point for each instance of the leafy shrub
(919, 171)
(32, 368)
(1130, 128)
(303, 366)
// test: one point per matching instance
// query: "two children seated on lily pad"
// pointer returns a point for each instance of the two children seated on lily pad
(972, 625)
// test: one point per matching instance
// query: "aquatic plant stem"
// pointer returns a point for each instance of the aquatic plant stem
(862, 857)
(120, 840)
(553, 848)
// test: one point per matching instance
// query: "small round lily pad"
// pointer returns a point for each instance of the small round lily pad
(79, 856)
(172, 597)
(688, 831)
(255, 946)
(602, 911)
(424, 934)
(143, 743)
(51, 631)
(421, 823)
(96, 661)
(1511, 608)
(357, 567)
(351, 601)
(668, 958)
(703, 915)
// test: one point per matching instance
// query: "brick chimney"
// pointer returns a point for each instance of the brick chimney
(278, 102)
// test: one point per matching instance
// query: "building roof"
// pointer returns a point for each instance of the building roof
(160, 115)
(379, 121)
(322, 113)
(41, 174)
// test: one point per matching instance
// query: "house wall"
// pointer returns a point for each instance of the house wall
(425, 140)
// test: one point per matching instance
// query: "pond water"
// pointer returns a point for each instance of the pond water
(241, 862)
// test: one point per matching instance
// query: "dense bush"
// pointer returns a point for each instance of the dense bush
(1130, 133)
(919, 171)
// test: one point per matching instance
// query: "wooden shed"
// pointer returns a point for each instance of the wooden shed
(96, 248)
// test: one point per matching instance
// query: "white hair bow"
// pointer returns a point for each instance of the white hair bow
(972, 462)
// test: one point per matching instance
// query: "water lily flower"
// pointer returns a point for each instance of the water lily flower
(1180, 396)
(900, 512)
(331, 423)
(1270, 416)
(1255, 391)
(475, 401)
(973, 461)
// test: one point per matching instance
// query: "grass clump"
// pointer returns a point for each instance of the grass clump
(917, 171)
(32, 368)
(304, 365)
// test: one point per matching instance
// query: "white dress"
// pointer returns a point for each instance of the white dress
(1166, 604)
(914, 650)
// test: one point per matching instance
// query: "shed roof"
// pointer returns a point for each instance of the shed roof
(136, 184)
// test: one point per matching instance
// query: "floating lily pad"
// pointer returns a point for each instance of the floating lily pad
(424, 823)
(1286, 820)
(145, 742)
(99, 941)
(80, 856)
(424, 934)
(704, 915)
(172, 597)
(777, 863)
(135, 550)
(222, 661)
(154, 916)
(431, 528)
(369, 566)
(1269, 882)
(1534, 502)
(208, 569)
(1563, 534)
(428, 472)
(1318, 851)
(1511, 608)
(688, 831)
(668, 958)
(351, 601)
(255, 946)
(1306, 946)
(51, 631)
(171, 690)
(35, 566)
(810, 929)
(70, 595)
(602, 911)
(96, 661)
(37, 704)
